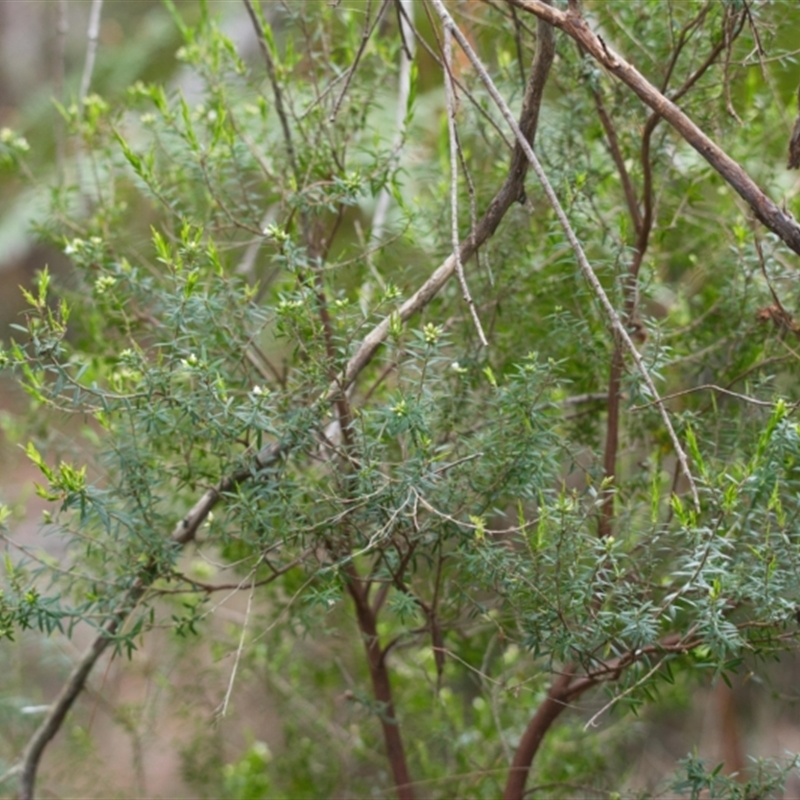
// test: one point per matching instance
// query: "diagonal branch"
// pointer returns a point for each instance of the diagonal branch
(60, 708)
(573, 24)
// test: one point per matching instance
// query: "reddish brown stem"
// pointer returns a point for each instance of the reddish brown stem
(381, 685)
(545, 716)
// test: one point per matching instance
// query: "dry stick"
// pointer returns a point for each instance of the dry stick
(450, 96)
(92, 35)
(510, 192)
(434, 54)
(223, 710)
(785, 226)
(583, 262)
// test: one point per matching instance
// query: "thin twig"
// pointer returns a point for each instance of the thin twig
(464, 90)
(224, 707)
(369, 27)
(450, 96)
(60, 707)
(62, 29)
(711, 387)
(728, 23)
(255, 18)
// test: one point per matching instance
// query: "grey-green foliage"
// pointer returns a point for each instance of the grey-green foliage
(467, 485)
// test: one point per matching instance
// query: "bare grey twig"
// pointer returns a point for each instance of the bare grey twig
(450, 97)
(62, 29)
(239, 650)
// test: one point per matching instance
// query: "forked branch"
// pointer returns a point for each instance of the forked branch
(573, 24)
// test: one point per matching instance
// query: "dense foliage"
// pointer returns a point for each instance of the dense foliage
(459, 539)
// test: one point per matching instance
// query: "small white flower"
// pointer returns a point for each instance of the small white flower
(75, 246)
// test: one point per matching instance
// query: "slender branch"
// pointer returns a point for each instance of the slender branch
(58, 711)
(210, 588)
(619, 160)
(728, 25)
(369, 27)
(381, 685)
(477, 106)
(255, 18)
(732, 172)
(710, 387)
(567, 687)
(547, 713)
(643, 224)
(403, 92)
(450, 96)
(62, 29)
(223, 710)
